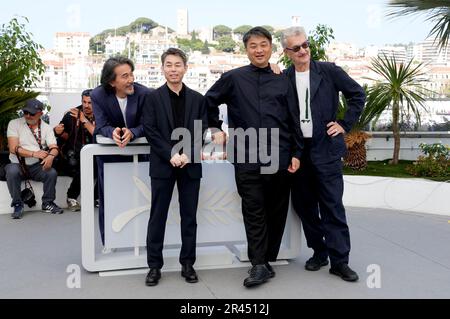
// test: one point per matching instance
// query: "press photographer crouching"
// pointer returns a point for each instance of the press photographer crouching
(33, 148)
(74, 131)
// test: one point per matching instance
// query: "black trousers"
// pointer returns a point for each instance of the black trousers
(317, 191)
(188, 193)
(265, 203)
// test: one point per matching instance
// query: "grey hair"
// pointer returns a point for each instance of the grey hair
(291, 32)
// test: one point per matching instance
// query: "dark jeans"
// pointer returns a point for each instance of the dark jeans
(317, 191)
(265, 204)
(14, 178)
(74, 172)
(188, 193)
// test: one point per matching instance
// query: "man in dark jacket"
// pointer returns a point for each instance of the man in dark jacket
(75, 130)
(266, 146)
(318, 185)
(170, 109)
(117, 104)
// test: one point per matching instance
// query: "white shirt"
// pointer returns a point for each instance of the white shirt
(304, 100)
(123, 107)
(19, 128)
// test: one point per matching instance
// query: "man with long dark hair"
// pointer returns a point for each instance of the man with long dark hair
(117, 105)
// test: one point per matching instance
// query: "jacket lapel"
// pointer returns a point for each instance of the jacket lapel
(315, 79)
(188, 107)
(165, 98)
(115, 110)
(131, 110)
(291, 75)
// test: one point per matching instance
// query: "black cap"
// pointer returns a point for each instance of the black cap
(33, 106)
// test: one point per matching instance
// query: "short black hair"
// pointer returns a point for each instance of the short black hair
(258, 32)
(174, 51)
(86, 92)
(108, 74)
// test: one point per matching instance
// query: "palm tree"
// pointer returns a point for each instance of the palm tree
(400, 90)
(355, 140)
(437, 11)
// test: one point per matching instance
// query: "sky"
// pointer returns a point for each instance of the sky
(361, 22)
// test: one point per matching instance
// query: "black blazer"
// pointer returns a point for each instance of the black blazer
(108, 115)
(158, 125)
(326, 81)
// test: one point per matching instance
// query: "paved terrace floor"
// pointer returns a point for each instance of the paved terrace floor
(411, 249)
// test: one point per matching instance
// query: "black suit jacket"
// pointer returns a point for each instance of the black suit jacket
(158, 123)
(108, 115)
(326, 81)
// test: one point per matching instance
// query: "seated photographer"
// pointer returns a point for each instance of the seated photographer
(74, 131)
(31, 139)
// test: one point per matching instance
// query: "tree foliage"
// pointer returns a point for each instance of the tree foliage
(221, 31)
(20, 68)
(17, 47)
(144, 25)
(243, 29)
(268, 28)
(437, 11)
(226, 44)
(399, 90)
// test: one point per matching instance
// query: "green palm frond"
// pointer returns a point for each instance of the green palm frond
(12, 97)
(437, 11)
(400, 84)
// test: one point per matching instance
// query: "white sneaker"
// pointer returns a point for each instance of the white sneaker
(73, 204)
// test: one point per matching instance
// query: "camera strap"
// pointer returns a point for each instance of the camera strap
(24, 169)
(38, 135)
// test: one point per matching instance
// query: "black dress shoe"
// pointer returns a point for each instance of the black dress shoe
(270, 269)
(188, 272)
(153, 276)
(259, 274)
(316, 262)
(345, 272)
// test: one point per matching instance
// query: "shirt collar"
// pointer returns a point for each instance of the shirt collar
(267, 69)
(173, 94)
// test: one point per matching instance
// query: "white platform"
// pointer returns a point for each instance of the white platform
(406, 194)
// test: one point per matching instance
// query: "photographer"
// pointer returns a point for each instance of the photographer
(32, 142)
(74, 131)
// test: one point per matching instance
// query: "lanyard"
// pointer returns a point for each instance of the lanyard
(37, 136)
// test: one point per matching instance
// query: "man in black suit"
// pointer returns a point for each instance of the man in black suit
(260, 104)
(117, 105)
(318, 185)
(171, 112)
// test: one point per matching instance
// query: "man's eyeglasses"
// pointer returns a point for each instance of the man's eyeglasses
(296, 48)
(28, 113)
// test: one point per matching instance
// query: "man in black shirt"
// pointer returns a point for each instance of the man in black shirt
(73, 132)
(266, 144)
(173, 108)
